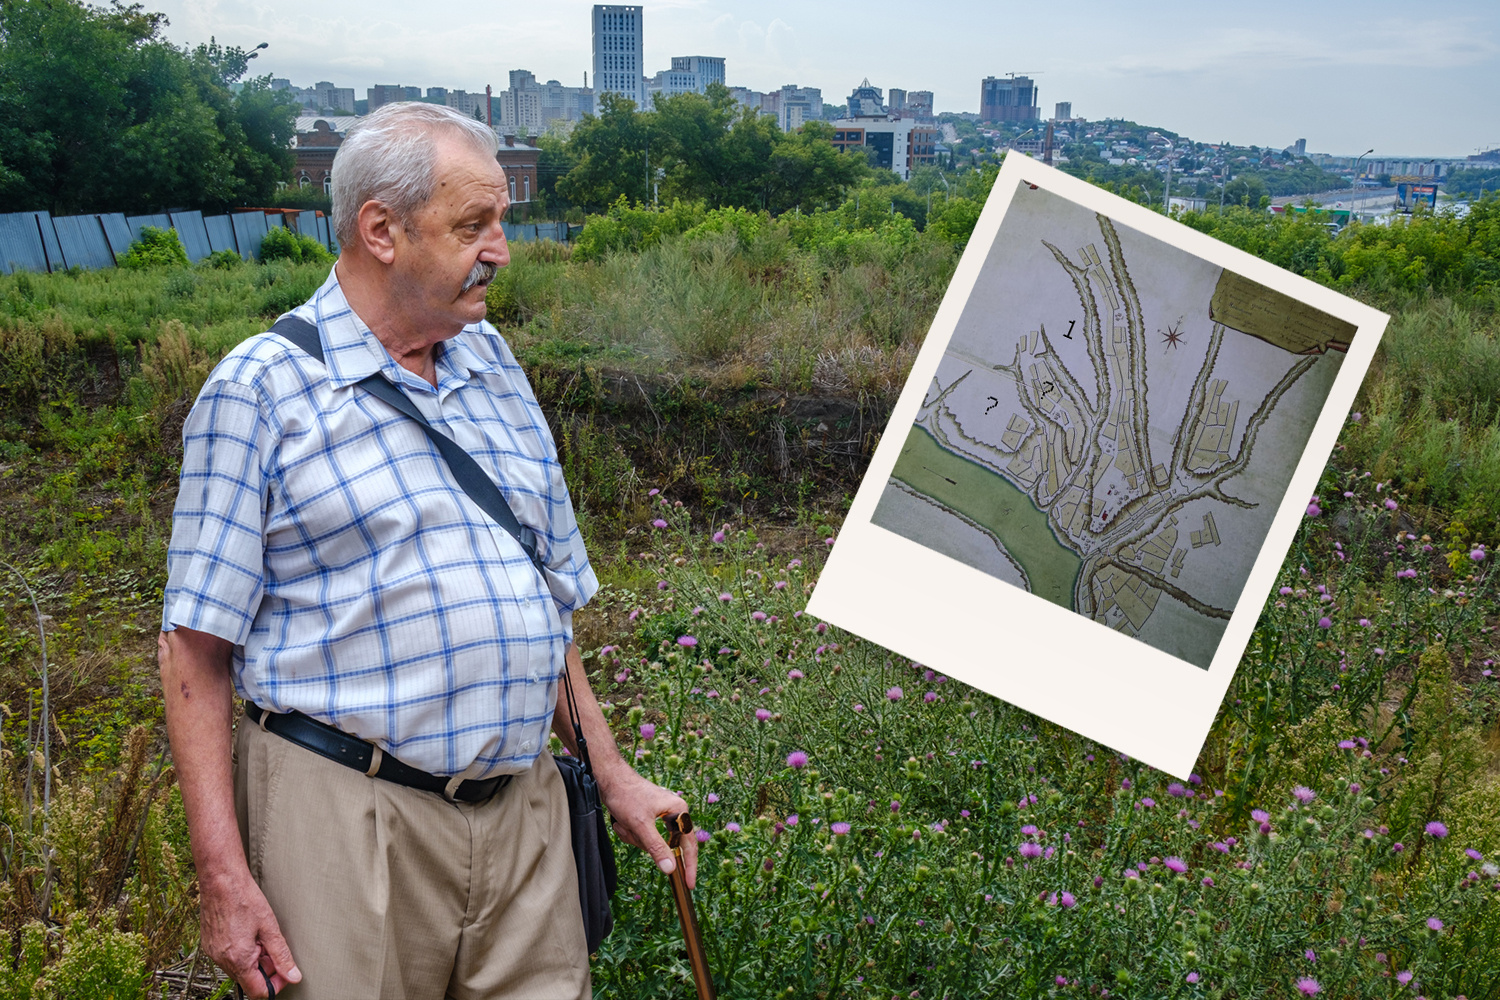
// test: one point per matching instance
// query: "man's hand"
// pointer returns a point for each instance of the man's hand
(635, 805)
(239, 932)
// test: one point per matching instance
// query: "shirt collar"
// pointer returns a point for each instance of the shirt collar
(352, 351)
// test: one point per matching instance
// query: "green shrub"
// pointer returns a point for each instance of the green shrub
(221, 259)
(155, 248)
(283, 244)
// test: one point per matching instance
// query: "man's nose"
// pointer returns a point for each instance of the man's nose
(497, 249)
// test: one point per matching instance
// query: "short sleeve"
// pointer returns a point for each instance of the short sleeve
(216, 558)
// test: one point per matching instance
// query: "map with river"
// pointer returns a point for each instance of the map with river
(1113, 425)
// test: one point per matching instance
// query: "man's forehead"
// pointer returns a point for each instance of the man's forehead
(457, 160)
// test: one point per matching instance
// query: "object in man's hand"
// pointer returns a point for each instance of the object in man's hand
(678, 825)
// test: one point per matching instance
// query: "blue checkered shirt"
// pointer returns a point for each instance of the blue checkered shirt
(321, 532)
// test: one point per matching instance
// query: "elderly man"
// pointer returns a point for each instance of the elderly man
(327, 567)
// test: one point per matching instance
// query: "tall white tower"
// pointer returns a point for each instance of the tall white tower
(618, 65)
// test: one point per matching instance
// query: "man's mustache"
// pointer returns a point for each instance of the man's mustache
(483, 272)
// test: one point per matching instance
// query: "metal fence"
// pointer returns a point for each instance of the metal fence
(34, 241)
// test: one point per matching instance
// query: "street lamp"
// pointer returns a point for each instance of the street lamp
(1353, 204)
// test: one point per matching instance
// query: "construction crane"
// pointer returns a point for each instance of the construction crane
(1026, 73)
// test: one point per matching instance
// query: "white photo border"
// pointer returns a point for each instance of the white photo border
(993, 636)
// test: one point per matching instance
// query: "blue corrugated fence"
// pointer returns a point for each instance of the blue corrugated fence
(34, 241)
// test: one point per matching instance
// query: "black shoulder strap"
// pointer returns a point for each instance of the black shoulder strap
(474, 480)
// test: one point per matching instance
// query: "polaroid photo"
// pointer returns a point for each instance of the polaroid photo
(1099, 461)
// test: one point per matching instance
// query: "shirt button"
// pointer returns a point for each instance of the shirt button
(527, 746)
(534, 676)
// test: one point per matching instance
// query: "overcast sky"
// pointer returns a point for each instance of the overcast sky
(1404, 78)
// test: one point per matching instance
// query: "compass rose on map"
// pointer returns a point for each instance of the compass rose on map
(1173, 335)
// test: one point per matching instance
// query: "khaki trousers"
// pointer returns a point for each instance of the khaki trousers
(392, 893)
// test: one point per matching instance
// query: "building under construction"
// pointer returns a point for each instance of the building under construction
(1008, 99)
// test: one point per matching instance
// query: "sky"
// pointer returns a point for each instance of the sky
(1407, 79)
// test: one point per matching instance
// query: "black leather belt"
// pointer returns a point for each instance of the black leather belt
(351, 751)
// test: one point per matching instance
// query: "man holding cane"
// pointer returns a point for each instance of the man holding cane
(391, 824)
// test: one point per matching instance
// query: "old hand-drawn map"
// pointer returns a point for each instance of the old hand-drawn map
(1113, 425)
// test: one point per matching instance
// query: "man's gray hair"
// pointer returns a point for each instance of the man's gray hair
(390, 156)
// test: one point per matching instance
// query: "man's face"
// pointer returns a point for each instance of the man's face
(445, 260)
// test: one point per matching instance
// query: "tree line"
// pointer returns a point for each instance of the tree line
(99, 112)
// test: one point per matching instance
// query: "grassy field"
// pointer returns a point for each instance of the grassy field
(985, 852)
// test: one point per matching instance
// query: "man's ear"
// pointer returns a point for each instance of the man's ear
(375, 226)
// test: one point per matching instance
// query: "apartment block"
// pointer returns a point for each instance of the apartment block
(618, 67)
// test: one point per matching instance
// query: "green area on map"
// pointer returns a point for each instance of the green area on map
(997, 506)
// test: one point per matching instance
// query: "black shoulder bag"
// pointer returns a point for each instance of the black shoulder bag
(593, 852)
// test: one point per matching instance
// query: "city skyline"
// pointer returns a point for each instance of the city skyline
(1346, 77)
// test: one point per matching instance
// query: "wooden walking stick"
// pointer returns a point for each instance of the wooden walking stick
(679, 825)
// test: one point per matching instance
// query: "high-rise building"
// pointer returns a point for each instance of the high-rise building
(1063, 111)
(688, 75)
(617, 53)
(413, 93)
(437, 95)
(472, 105)
(795, 105)
(895, 100)
(899, 144)
(1013, 99)
(385, 93)
(866, 100)
(919, 105)
(531, 107)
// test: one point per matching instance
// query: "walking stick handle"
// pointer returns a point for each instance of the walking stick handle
(679, 824)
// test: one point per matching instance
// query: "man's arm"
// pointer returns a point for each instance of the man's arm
(634, 803)
(237, 928)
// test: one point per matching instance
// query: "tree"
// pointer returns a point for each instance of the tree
(609, 152)
(99, 113)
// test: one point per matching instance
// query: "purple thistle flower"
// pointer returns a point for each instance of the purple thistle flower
(732, 827)
(653, 493)
(1221, 847)
(1436, 830)
(1149, 803)
(794, 674)
(658, 523)
(895, 805)
(1030, 830)
(702, 835)
(718, 536)
(1398, 847)
(1325, 622)
(725, 598)
(1406, 574)
(1304, 794)
(1176, 790)
(711, 798)
(759, 616)
(930, 697)
(1313, 510)
(768, 864)
(686, 641)
(839, 829)
(1477, 555)
(1060, 980)
(1175, 864)
(1067, 900)
(1308, 986)
(1474, 854)
(1310, 955)
(648, 731)
(895, 694)
(1347, 744)
(1434, 924)
(1031, 849)
(1390, 504)
(791, 820)
(1260, 815)
(796, 760)
(1192, 977)
(763, 714)
(1403, 977)
(1286, 592)
(780, 585)
(1208, 881)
